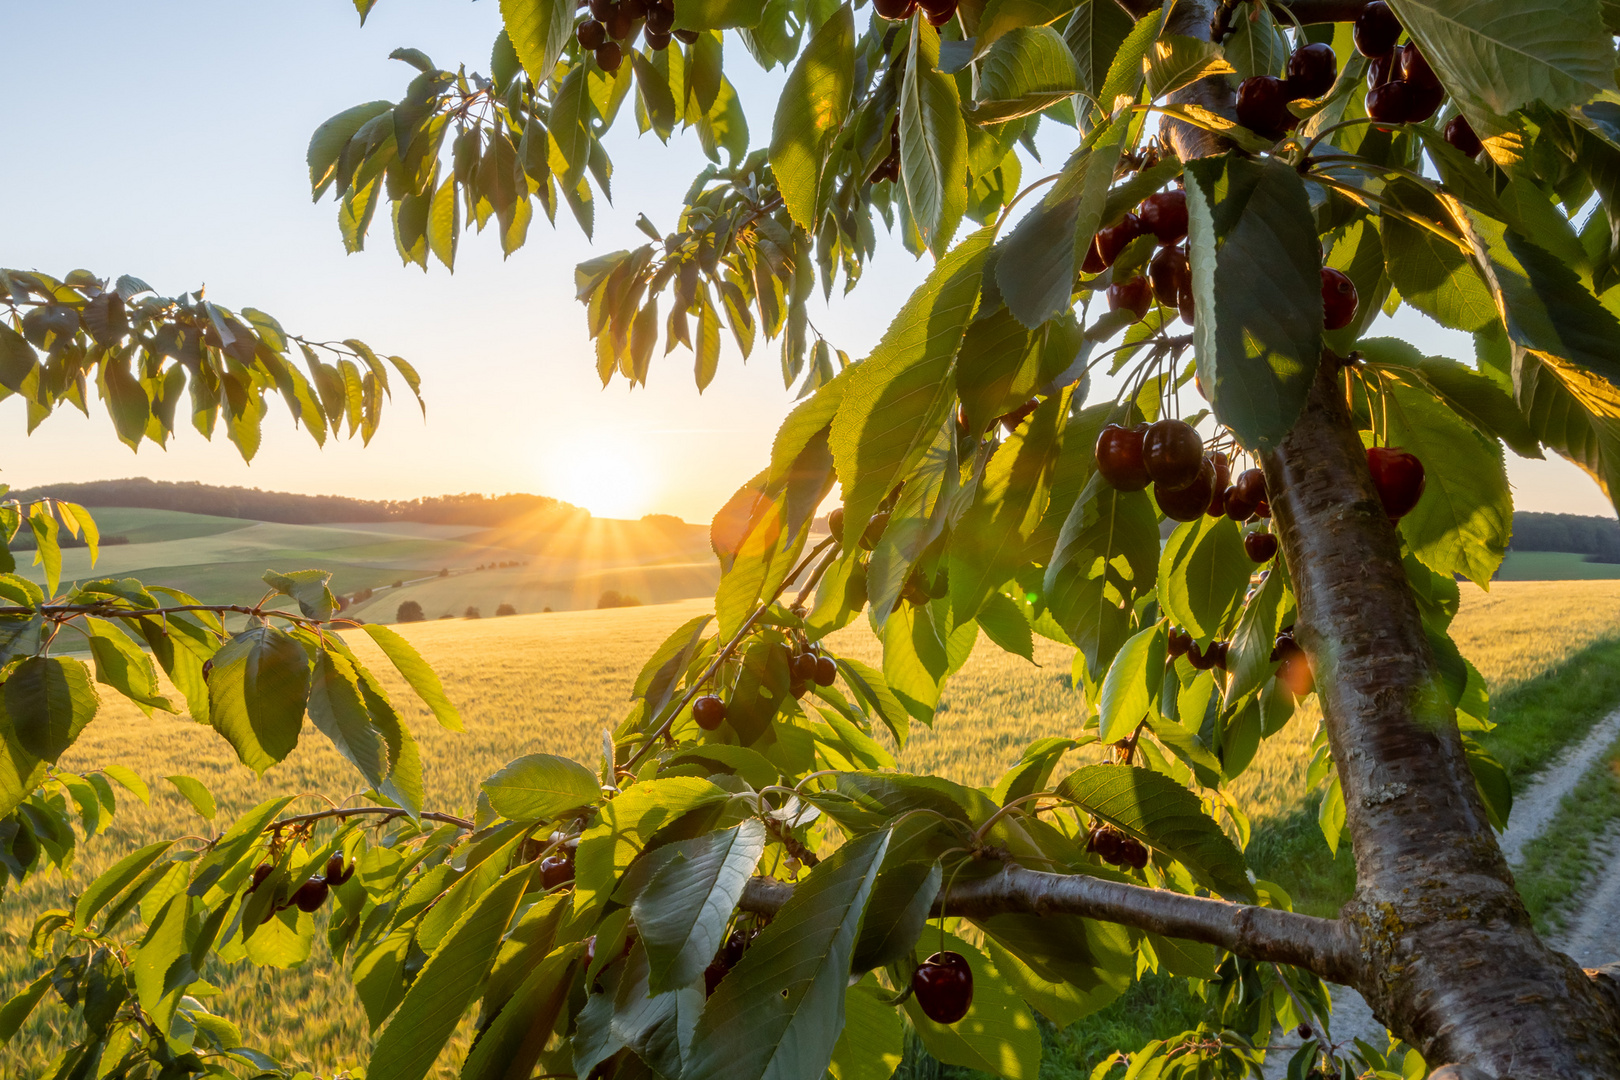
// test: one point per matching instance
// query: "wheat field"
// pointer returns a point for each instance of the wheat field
(553, 682)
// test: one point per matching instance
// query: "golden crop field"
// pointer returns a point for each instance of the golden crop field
(552, 683)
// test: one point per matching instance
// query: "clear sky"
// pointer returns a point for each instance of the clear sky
(167, 140)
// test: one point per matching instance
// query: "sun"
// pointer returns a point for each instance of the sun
(605, 477)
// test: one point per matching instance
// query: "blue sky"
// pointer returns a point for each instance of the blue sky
(167, 140)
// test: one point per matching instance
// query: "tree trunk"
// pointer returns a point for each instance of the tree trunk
(1449, 960)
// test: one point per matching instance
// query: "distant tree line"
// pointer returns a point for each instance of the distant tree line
(1597, 537)
(24, 540)
(293, 509)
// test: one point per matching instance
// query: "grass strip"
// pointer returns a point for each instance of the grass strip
(1565, 857)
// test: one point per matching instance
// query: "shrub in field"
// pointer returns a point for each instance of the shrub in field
(612, 598)
(409, 611)
(744, 885)
(505, 609)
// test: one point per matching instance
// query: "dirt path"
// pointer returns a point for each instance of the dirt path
(1594, 934)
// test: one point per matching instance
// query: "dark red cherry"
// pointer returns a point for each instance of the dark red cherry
(1173, 454)
(1119, 457)
(609, 56)
(1259, 546)
(941, 16)
(1460, 134)
(1416, 70)
(826, 671)
(591, 34)
(1190, 502)
(1134, 294)
(1311, 70)
(1132, 853)
(1237, 508)
(602, 10)
(556, 870)
(1184, 301)
(874, 530)
(1376, 30)
(1262, 106)
(895, 10)
(311, 894)
(260, 872)
(1223, 480)
(1381, 69)
(660, 19)
(336, 872)
(1165, 214)
(1093, 263)
(1112, 240)
(1199, 659)
(803, 667)
(1250, 487)
(709, 712)
(1169, 273)
(1216, 653)
(943, 987)
(1399, 478)
(1177, 642)
(1338, 299)
(657, 42)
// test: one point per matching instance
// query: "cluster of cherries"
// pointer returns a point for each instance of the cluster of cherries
(1169, 277)
(1401, 86)
(889, 168)
(938, 12)
(1186, 481)
(613, 25)
(311, 894)
(1181, 643)
(806, 664)
(1116, 848)
(943, 987)
(869, 536)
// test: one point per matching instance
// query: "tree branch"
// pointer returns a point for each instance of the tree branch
(385, 812)
(1322, 946)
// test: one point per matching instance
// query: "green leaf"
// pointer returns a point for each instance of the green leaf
(200, 798)
(1434, 277)
(339, 712)
(1094, 34)
(778, 1013)
(998, 1035)
(1249, 655)
(539, 30)
(326, 145)
(308, 588)
(114, 880)
(1576, 413)
(1058, 1000)
(898, 397)
(719, 14)
(993, 539)
(665, 668)
(1028, 69)
(873, 1040)
(1130, 691)
(933, 142)
(1003, 17)
(1485, 405)
(422, 678)
(257, 690)
(1502, 54)
(1202, 575)
(1463, 521)
(124, 666)
(1256, 280)
(683, 912)
(126, 778)
(161, 949)
(809, 114)
(47, 551)
(1161, 813)
(49, 700)
(1177, 60)
(1255, 46)
(538, 787)
(15, 1011)
(447, 984)
(444, 224)
(512, 1044)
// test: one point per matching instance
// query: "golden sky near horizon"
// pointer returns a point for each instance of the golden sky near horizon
(216, 193)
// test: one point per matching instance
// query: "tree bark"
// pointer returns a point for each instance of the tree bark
(1448, 958)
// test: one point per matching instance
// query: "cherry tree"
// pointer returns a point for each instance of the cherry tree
(1275, 504)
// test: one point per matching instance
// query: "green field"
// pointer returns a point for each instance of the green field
(554, 682)
(565, 565)
(1553, 566)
